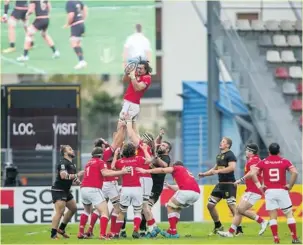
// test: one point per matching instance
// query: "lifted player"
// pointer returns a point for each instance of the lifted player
(42, 9)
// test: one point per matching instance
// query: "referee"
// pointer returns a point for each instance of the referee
(61, 194)
(225, 189)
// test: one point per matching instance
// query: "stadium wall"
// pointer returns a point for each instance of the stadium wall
(33, 205)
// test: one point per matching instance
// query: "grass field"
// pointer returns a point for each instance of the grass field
(107, 27)
(39, 234)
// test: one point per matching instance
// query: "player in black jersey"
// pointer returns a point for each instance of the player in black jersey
(61, 195)
(76, 15)
(225, 167)
(162, 159)
(41, 22)
(19, 13)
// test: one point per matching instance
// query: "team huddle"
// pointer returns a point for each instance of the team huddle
(76, 14)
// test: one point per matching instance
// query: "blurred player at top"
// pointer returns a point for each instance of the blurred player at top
(19, 13)
(76, 14)
(136, 46)
(42, 9)
(139, 81)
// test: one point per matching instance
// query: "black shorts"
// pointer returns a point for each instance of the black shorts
(41, 24)
(77, 30)
(61, 195)
(155, 193)
(19, 14)
(224, 191)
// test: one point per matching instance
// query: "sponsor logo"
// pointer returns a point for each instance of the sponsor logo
(65, 128)
(7, 206)
(40, 147)
(23, 129)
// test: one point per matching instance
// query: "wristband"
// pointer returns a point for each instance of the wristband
(242, 179)
(6, 7)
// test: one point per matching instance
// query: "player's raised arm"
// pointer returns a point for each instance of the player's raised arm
(85, 12)
(147, 156)
(118, 138)
(138, 86)
(31, 9)
(49, 6)
(158, 140)
(131, 133)
(113, 165)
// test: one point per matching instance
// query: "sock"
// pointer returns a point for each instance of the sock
(239, 229)
(259, 219)
(103, 225)
(78, 51)
(53, 48)
(12, 45)
(143, 223)
(151, 223)
(62, 226)
(173, 219)
(93, 220)
(218, 224)
(53, 232)
(124, 223)
(274, 228)
(137, 221)
(292, 227)
(83, 221)
(232, 229)
(119, 224)
(25, 53)
(113, 220)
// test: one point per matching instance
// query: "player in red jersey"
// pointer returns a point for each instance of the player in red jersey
(251, 196)
(139, 82)
(131, 192)
(91, 194)
(187, 193)
(276, 189)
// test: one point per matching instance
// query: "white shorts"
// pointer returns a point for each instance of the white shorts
(251, 197)
(186, 198)
(277, 199)
(131, 109)
(147, 185)
(110, 189)
(90, 195)
(131, 196)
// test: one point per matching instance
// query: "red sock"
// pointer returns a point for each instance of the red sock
(151, 222)
(93, 220)
(173, 220)
(259, 219)
(118, 226)
(113, 220)
(232, 229)
(137, 222)
(103, 225)
(292, 227)
(83, 221)
(274, 228)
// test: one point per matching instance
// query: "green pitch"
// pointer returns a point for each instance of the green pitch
(108, 25)
(198, 232)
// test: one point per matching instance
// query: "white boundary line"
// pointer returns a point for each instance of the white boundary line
(32, 68)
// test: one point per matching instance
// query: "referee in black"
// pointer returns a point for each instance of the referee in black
(225, 189)
(61, 194)
(161, 160)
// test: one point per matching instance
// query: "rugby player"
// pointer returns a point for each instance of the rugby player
(76, 15)
(274, 168)
(91, 194)
(251, 196)
(187, 193)
(224, 168)
(131, 192)
(61, 195)
(139, 81)
(42, 9)
(19, 13)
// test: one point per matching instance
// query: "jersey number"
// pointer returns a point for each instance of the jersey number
(87, 171)
(43, 5)
(274, 175)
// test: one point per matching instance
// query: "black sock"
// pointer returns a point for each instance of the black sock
(62, 226)
(25, 52)
(239, 229)
(32, 43)
(53, 48)
(124, 224)
(53, 232)
(143, 223)
(78, 51)
(218, 224)
(12, 45)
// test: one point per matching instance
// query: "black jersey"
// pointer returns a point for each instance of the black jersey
(75, 7)
(158, 179)
(222, 162)
(64, 184)
(41, 7)
(21, 4)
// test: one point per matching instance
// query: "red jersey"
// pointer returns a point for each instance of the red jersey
(250, 185)
(107, 154)
(132, 179)
(184, 179)
(134, 96)
(274, 171)
(140, 153)
(92, 173)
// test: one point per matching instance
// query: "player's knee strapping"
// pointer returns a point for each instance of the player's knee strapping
(212, 201)
(123, 208)
(115, 201)
(150, 203)
(31, 30)
(138, 209)
(172, 205)
(287, 210)
(28, 39)
(231, 201)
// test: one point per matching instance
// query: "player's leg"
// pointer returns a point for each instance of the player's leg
(59, 200)
(29, 38)
(137, 203)
(48, 39)
(125, 202)
(214, 198)
(25, 26)
(12, 22)
(93, 219)
(83, 220)
(104, 217)
(76, 36)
